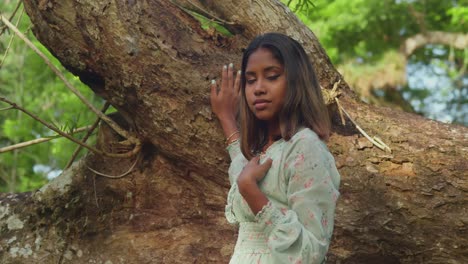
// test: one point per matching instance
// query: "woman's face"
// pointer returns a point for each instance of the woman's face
(265, 87)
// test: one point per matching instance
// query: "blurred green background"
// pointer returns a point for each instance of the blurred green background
(363, 38)
(26, 80)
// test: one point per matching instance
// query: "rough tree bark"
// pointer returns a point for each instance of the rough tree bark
(153, 62)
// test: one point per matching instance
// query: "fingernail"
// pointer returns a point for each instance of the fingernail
(224, 67)
(213, 82)
(231, 65)
(238, 72)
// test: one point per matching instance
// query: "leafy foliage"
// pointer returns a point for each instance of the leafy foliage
(208, 24)
(361, 34)
(27, 80)
(367, 28)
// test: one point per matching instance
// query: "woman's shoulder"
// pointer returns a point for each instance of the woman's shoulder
(307, 140)
(305, 134)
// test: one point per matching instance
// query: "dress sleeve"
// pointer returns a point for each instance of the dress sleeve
(301, 233)
(233, 149)
(237, 161)
(237, 164)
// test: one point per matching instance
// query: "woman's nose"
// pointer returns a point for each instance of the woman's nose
(259, 87)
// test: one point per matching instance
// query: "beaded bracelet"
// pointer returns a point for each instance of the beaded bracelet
(230, 136)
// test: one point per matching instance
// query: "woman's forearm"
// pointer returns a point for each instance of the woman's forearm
(229, 126)
(254, 197)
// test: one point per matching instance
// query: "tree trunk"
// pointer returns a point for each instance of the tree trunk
(153, 62)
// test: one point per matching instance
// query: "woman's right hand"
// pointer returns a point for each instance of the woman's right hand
(253, 172)
(225, 102)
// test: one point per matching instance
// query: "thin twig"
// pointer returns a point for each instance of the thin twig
(334, 92)
(117, 176)
(301, 5)
(330, 95)
(12, 15)
(343, 120)
(211, 15)
(131, 153)
(95, 192)
(6, 108)
(12, 37)
(377, 142)
(219, 20)
(2, 176)
(106, 119)
(11, 40)
(85, 138)
(298, 5)
(38, 140)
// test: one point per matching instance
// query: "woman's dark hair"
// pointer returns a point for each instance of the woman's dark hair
(303, 106)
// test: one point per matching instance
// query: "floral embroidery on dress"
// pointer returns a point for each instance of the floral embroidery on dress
(299, 160)
(302, 190)
(308, 183)
(324, 221)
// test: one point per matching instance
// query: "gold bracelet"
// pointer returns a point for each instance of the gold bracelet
(230, 136)
(232, 142)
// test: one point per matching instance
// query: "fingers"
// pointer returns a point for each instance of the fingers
(255, 160)
(267, 164)
(223, 96)
(256, 171)
(224, 78)
(228, 81)
(213, 93)
(237, 83)
(231, 75)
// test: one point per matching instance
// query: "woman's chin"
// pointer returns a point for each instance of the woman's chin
(264, 117)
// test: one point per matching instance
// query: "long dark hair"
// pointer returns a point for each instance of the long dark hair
(303, 106)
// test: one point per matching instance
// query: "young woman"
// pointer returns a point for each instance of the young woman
(284, 182)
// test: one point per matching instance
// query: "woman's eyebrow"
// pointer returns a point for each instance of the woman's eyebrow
(270, 68)
(267, 69)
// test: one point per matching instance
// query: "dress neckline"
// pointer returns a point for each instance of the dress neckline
(277, 142)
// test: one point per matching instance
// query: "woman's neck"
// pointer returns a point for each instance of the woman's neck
(274, 132)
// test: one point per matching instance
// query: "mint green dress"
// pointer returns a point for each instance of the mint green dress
(302, 187)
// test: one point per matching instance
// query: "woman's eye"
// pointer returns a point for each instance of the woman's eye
(273, 77)
(250, 81)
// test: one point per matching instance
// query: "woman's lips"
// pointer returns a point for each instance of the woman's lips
(261, 104)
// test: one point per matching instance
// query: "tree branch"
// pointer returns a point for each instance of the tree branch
(6, 108)
(38, 140)
(85, 138)
(116, 176)
(11, 39)
(106, 119)
(456, 40)
(131, 153)
(12, 15)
